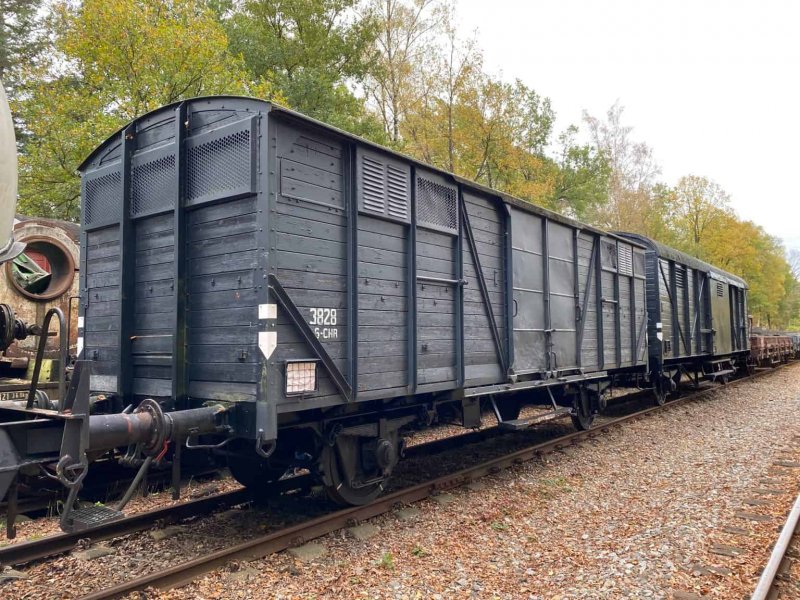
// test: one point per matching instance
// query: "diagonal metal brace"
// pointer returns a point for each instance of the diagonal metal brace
(299, 322)
(487, 303)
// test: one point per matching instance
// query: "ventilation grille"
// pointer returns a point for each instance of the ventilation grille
(101, 197)
(719, 290)
(220, 168)
(436, 205)
(152, 185)
(384, 188)
(397, 192)
(372, 188)
(680, 277)
(625, 259)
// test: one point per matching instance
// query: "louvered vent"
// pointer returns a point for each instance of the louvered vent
(384, 187)
(372, 185)
(680, 277)
(437, 205)
(397, 192)
(625, 259)
(719, 290)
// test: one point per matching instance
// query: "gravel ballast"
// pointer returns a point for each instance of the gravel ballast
(653, 509)
(634, 514)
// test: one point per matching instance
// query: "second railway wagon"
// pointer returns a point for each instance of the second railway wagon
(327, 291)
(698, 323)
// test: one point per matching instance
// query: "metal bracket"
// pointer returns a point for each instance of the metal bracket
(291, 309)
(473, 248)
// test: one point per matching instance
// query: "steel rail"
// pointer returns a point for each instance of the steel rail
(16, 554)
(25, 552)
(283, 539)
(767, 580)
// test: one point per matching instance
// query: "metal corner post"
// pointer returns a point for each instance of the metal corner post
(412, 289)
(126, 276)
(179, 350)
(352, 269)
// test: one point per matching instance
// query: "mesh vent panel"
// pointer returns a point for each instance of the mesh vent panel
(101, 196)
(625, 259)
(220, 165)
(436, 204)
(152, 184)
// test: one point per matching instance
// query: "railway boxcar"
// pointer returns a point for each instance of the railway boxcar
(795, 337)
(697, 317)
(326, 291)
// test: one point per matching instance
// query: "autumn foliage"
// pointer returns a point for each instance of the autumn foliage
(395, 71)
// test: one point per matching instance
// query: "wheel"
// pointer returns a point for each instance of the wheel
(343, 482)
(724, 379)
(582, 415)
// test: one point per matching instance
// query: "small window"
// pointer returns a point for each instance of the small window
(608, 255)
(638, 263)
(301, 377)
(719, 290)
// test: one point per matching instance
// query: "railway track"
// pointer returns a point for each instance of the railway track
(779, 562)
(282, 539)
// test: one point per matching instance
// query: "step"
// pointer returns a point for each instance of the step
(518, 424)
(722, 373)
(91, 516)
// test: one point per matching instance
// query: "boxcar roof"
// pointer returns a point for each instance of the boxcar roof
(685, 259)
(271, 107)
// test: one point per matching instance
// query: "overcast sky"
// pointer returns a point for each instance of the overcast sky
(712, 86)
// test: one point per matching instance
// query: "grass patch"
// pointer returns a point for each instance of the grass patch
(386, 561)
(419, 551)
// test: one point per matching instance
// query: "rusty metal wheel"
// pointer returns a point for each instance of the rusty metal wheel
(339, 463)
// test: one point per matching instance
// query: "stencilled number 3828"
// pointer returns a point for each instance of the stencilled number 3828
(323, 320)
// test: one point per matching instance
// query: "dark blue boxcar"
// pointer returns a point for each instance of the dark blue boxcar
(330, 291)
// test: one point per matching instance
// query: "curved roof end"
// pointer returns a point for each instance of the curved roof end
(667, 252)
